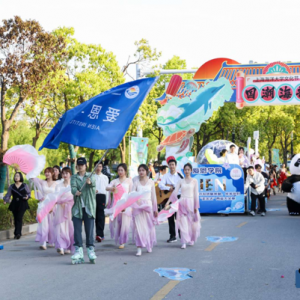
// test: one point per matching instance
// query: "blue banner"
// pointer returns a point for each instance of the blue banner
(221, 190)
(102, 121)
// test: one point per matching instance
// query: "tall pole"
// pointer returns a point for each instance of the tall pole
(139, 130)
(292, 150)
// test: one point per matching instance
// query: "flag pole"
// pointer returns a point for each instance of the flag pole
(95, 168)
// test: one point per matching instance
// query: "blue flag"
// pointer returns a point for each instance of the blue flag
(102, 121)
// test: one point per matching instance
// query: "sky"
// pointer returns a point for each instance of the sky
(197, 31)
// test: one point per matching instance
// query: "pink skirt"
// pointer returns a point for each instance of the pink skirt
(188, 222)
(143, 223)
(120, 227)
(45, 230)
(63, 227)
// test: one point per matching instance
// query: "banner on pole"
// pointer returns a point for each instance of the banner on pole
(139, 153)
(275, 157)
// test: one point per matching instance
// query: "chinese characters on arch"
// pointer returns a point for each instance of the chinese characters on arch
(276, 86)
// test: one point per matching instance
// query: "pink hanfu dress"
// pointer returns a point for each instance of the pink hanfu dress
(120, 226)
(143, 215)
(187, 221)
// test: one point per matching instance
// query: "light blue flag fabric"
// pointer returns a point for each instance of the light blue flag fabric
(102, 121)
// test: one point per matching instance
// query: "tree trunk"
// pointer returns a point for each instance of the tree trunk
(2, 178)
(36, 137)
(91, 159)
(122, 148)
(4, 144)
(270, 156)
(72, 158)
(7, 176)
(4, 136)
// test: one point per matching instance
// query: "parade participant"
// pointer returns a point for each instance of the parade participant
(151, 173)
(45, 230)
(188, 217)
(20, 193)
(83, 187)
(292, 186)
(101, 195)
(61, 165)
(258, 168)
(282, 177)
(144, 211)
(243, 161)
(232, 157)
(63, 225)
(168, 183)
(273, 183)
(156, 166)
(120, 226)
(162, 171)
(223, 155)
(57, 173)
(106, 169)
(256, 182)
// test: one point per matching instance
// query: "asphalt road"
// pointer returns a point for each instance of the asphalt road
(249, 268)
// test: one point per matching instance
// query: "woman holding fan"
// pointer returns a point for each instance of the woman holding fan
(63, 225)
(120, 227)
(45, 231)
(144, 212)
(188, 217)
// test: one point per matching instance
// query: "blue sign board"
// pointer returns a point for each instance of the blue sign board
(221, 188)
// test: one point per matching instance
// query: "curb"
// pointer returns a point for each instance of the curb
(26, 229)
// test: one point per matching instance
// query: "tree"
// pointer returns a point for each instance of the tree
(89, 71)
(28, 57)
(144, 55)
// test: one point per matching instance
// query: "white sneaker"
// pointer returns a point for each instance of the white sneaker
(60, 251)
(43, 246)
(183, 246)
(191, 243)
(252, 213)
(139, 252)
(263, 214)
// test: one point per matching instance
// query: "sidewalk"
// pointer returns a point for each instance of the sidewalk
(26, 229)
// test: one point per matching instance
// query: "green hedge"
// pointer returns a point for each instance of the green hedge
(6, 217)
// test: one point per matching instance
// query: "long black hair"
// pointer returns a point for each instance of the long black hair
(145, 167)
(59, 174)
(188, 165)
(122, 165)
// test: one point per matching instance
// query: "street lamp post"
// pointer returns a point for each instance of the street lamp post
(233, 135)
(292, 152)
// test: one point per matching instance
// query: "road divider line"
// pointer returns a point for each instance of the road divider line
(242, 224)
(165, 290)
(211, 246)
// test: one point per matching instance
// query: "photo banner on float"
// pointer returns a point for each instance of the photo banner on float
(139, 154)
(221, 189)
